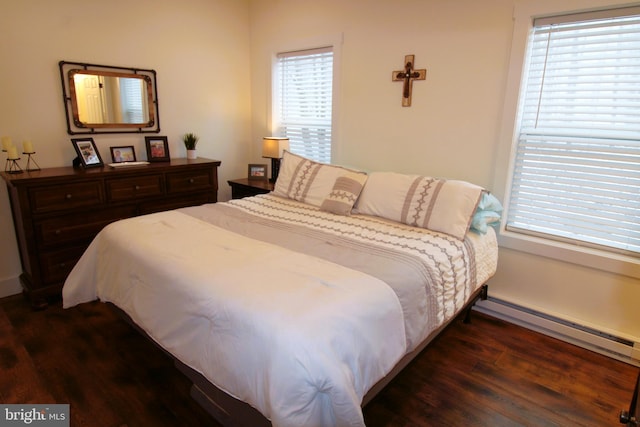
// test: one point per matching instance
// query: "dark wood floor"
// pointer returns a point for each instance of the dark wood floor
(487, 373)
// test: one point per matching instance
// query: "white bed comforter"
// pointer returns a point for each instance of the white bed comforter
(265, 336)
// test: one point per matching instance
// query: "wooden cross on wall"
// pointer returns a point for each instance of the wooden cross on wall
(408, 75)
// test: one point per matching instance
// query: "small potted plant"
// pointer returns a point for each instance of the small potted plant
(190, 141)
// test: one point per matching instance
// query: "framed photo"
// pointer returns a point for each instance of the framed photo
(123, 154)
(157, 148)
(257, 172)
(88, 153)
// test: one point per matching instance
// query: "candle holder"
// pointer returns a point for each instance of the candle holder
(30, 160)
(12, 165)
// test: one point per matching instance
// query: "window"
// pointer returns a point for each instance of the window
(303, 89)
(576, 171)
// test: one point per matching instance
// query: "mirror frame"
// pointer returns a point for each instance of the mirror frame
(75, 127)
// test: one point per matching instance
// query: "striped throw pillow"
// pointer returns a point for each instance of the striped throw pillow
(436, 204)
(344, 194)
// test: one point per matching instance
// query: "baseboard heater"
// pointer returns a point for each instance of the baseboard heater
(583, 336)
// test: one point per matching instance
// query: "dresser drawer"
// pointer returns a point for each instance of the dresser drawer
(53, 198)
(135, 187)
(56, 266)
(180, 182)
(79, 227)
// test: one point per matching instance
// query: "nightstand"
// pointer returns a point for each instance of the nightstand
(245, 187)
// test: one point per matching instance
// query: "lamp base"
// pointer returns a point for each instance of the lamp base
(275, 170)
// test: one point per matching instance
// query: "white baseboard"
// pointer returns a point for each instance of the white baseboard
(622, 349)
(10, 287)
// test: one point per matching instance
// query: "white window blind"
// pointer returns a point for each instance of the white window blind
(132, 97)
(576, 172)
(303, 101)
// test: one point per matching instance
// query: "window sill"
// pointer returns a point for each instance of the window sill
(588, 257)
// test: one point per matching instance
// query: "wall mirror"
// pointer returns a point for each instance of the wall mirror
(106, 99)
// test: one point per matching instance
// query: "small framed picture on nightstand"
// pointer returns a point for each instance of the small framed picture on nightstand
(257, 172)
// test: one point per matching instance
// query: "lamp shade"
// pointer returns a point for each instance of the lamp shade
(273, 146)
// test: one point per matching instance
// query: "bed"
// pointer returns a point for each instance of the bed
(295, 307)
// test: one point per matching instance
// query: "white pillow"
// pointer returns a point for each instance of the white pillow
(311, 182)
(440, 205)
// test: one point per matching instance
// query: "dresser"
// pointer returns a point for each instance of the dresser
(58, 211)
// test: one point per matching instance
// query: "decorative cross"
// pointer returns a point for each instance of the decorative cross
(408, 75)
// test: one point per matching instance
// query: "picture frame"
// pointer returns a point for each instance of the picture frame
(88, 154)
(125, 153)
(257, 172)
(157, 148)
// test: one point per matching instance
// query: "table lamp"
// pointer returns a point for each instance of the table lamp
(273, 148)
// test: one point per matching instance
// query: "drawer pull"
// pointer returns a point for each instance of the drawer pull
(68, 196)
(58, 232)
(137, 187)
(191, 180)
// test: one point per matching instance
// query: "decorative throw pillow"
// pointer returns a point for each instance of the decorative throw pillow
(483, 219)
(306, 180)
(488, 213)
(440, 205)
(344, 194)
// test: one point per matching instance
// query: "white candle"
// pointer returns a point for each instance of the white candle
(12, 153)
(6, 143)
(27, 146)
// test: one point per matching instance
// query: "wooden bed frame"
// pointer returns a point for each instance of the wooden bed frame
(232, 412)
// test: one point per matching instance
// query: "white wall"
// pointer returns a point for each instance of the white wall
(464, 46)
(455, 126)
(199, 48)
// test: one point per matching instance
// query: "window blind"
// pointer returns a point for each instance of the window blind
(132, 101)
(576, 173)
(304, 92)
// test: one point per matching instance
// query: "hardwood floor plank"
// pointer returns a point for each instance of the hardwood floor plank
(527, 378)
(20, 379)
(110, 375)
